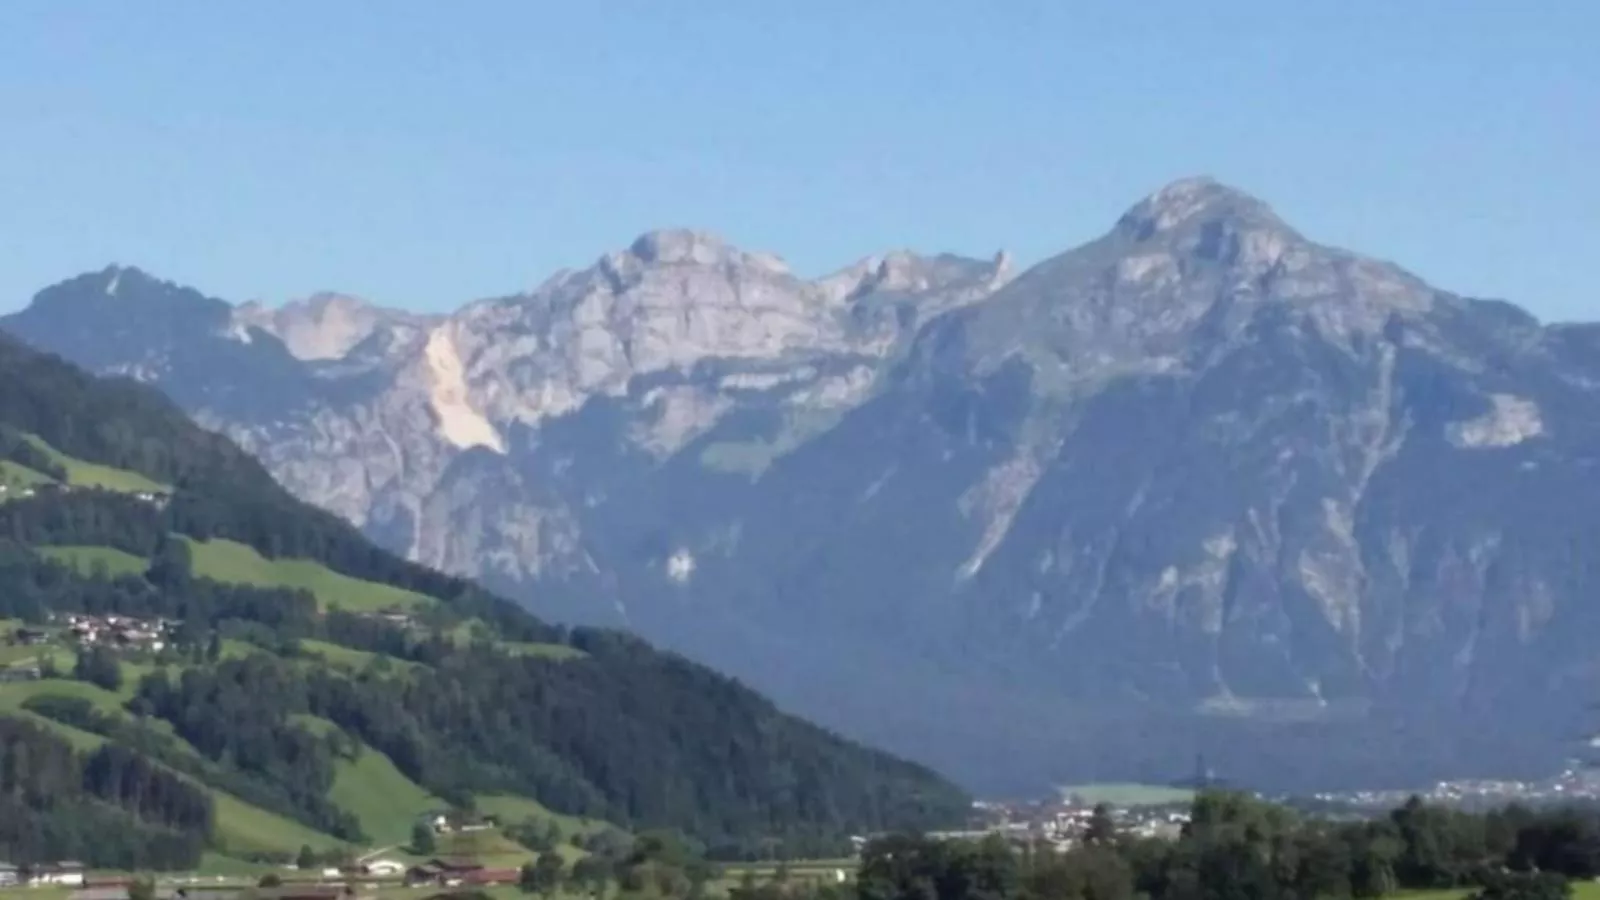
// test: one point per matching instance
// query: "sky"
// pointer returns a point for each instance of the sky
(424, 154)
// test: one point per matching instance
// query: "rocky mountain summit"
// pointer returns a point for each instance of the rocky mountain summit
(327, 326)
(1200, 485)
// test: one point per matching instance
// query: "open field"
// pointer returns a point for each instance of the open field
(489, 847)
(510, 809)
(86, 560)
(217, 865)
(229, 561)
(341, 656)
(21, 654)
(822, 871)
(385, 801)
(545, 651)
(16, 475)
(88, 474)
(13, 695)
(11, 705)
(1127, 795)
(352, 659)
(244, 828)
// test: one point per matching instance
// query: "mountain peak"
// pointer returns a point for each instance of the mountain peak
(324, 326)
(688, 246)
(115, 287)
(115, 277)
(1197, 202)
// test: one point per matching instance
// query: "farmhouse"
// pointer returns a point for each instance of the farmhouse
(443, 873)
(458, 821)
(9, 875)
(383, 868)
(66, 874)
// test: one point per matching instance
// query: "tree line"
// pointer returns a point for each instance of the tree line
(110, 808)
(1235, 847)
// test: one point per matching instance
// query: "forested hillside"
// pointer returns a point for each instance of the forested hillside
(258, 647)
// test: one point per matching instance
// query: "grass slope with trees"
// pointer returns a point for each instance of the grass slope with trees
(281, 710)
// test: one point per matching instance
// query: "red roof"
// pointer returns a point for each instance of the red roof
(492, 876)
(457, 865)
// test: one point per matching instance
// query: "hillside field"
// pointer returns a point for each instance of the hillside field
(85, 560)
(15, 475)
(88, 474)
(243, 828)
(385, 801)
(224, 560)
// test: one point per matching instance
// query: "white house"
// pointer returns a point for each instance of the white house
(8, 872)
(384, 868)
(66, 874)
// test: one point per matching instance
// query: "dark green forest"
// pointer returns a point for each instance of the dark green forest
(112, 806)
(620, 731)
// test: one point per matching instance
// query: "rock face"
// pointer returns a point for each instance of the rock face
(327, 326)
(1201, 485)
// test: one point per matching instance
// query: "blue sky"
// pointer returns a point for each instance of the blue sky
(423, 154)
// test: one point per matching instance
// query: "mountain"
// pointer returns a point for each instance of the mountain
(1202, 485)
(193, 660)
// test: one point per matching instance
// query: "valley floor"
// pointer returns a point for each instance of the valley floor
(221, 874)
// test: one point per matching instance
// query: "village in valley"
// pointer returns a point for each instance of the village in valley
(392, 872)
(469, 849)
(1062, 823)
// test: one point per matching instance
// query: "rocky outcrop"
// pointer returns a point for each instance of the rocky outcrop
(327, 326)
(1201, 485)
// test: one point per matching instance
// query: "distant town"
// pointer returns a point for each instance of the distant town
(1573, 785)
(1161, 812)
